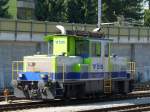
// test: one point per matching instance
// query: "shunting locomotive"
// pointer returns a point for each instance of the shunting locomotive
(80, 65)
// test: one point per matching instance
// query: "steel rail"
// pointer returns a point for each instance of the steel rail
(32, 105)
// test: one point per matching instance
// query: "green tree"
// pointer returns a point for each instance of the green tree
(42, 9)
(85, 11)
(75, 11)
(147, 18)
(56, 10)
(128, 8)
(50, 10)
(148, 1)
(133, 9)
(4, 9)
(91, 11)
(147, 14)
(108, 10)
(82, 11)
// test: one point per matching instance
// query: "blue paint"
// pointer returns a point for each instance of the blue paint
(85, 55)
(36, 76)
(33, 76)
(97, 66)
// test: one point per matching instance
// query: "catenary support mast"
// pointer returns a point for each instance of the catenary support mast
(99, 12)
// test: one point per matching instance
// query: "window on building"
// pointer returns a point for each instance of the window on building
(25, 13)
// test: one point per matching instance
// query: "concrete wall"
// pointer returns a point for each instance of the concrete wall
(121, 49)
(14, 51)
(140, 53)
(136, 52)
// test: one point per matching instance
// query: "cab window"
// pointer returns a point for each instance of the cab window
(82, 47)
(95, 49)
(107, 50)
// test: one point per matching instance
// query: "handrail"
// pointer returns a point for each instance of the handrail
(15, 71)
(64, 71)
(16, 66)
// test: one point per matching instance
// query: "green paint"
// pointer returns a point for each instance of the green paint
(98, 49)
(71, 46)
(66, 44)
(60, 45)
(77, 68)
(89, 62)
(54, 64)
(12, 10)
(49, 38)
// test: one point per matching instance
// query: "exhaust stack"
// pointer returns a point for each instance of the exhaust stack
(62, 29)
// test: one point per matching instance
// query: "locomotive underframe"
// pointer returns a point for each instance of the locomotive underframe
(69, 89)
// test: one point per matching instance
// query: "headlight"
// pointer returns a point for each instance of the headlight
(43, 76)
(20, 75)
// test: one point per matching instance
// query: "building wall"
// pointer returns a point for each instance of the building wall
(121, 50)
(140, 53)
(25, 9)
(14, 51)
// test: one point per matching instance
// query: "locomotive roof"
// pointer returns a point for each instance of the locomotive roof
(81, 35)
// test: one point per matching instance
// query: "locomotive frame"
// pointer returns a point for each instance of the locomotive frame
(80, 66)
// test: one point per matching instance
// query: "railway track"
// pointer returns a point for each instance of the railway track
(10, 97)
(20, 106)
(54, 103)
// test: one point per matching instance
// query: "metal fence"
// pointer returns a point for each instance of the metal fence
(44, 27)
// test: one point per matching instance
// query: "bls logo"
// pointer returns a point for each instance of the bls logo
(97, 66)
(60, 42)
